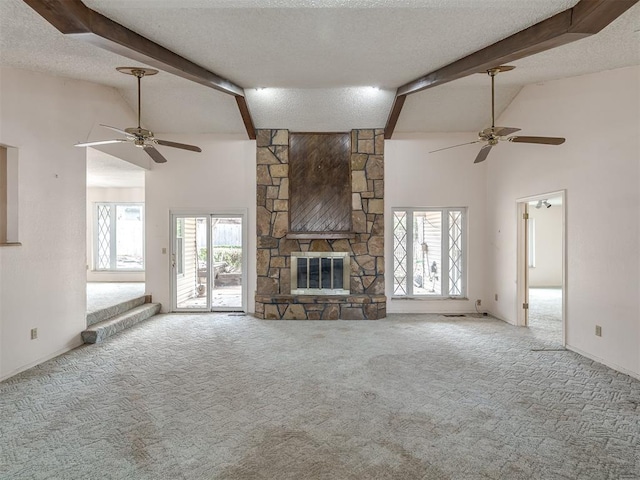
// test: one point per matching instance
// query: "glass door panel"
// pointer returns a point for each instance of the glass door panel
(227, 263)
(189, 262)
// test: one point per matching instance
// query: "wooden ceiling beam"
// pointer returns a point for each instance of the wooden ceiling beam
(586, 18)
(246, 116)
(74, 18)
(394, 114)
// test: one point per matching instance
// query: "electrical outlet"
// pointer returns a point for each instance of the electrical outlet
(496, 297)
(598, 331)
(478, 303)
(34, 333)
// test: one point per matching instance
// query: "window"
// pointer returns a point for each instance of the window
(429, 246)
(180, 245)
(119, 236)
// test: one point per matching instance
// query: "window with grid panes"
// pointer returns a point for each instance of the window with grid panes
(119, 236)
(429, 252)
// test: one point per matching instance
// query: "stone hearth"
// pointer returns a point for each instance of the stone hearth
(365, 244)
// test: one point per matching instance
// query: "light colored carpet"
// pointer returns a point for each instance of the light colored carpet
(231, 397)
(107, 294)
(545, 315)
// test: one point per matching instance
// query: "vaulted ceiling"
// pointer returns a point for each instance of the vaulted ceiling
(311, 66)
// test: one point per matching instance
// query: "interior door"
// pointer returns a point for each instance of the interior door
(189, 263)
(227, 263)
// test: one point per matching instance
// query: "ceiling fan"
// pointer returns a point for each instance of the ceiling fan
(139, 136)
(493, 134)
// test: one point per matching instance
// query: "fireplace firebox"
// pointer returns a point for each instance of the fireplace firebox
(320, 273)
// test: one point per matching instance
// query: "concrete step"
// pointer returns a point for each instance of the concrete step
(106, 328)
(112, 311)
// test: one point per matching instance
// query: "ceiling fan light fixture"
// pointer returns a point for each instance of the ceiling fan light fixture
(493, 135)
(141, 137)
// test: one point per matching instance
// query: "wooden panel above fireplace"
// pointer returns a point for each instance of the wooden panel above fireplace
(319, 184)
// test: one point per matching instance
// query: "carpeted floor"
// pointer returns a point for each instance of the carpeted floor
(231, 397)
(106, 294)
(545, 315)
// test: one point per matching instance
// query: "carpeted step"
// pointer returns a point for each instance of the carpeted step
(112, 311)
(104, 329)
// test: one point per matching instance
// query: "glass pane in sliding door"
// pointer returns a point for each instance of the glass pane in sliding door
(226, 263)
(190, 263)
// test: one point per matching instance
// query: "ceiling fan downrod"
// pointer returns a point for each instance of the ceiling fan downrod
(492, 73)
(141, 135)
(138, 74)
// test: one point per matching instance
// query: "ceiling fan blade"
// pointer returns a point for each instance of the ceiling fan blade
(503, 131)
(119, 130)
(155, 155)
(539, 140)
(184, 146)
(454, 146)
(102, 142)
(482, 154)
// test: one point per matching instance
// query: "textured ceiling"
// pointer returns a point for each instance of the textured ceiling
(384, 46)
(316, 58)
(104, 170)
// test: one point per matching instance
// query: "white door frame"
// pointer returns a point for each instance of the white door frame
(207, 212)
(523, 259)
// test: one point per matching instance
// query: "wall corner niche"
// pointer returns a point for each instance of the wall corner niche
(9, 196)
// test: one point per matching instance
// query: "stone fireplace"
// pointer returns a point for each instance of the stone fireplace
(359, 293)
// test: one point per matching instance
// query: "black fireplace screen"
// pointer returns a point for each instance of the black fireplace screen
(312, 273)
(320, 273)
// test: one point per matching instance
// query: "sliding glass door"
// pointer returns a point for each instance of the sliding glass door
(208, 262)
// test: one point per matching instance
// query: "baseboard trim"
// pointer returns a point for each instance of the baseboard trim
(39, 361)
(611, 365)
(491, 314)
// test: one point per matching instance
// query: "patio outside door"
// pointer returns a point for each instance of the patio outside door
(208, 263)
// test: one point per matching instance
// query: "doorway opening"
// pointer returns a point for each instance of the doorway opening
(208, 264)
(541, 266)
(115, 231)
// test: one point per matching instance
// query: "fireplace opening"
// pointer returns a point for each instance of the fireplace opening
(320, 273)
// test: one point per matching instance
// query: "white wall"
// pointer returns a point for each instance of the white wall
(116, 195)
(599, 168)
(42, 282)
(221, 179)
(416, 178)
(548, 247)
